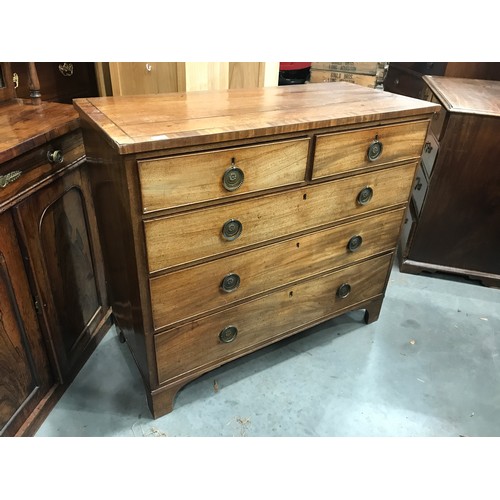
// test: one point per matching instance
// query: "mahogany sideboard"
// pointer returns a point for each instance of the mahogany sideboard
(453, 222)
(53, 302)
(231, 219)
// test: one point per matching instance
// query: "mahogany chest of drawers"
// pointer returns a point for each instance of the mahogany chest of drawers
(453, 222)
(232, 219)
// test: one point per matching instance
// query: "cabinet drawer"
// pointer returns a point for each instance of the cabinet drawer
(193, 178)
(188, 237)
(27, 171)
(348, 151)
(263, 269)
(419, 188)
(438, 119)
(429, 153)
(198, 344)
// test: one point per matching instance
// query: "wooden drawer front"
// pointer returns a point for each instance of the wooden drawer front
(197, 344)
(430, 152)
(269, 267)
(179, 239)
(348, 151)
(184, 180)
(438, 119)
(30, 169)
(419, 188)
(402, 81)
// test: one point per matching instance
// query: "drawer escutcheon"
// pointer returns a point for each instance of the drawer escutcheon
(365, 195)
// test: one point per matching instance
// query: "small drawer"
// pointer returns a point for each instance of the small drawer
(409, 225)
(404, 82)
(222, 336)
(224, 281)
(419, 188)
(429, 153)
(206, 233)
(355, 150)
(438, 119)
(23, 173)
(193, 178)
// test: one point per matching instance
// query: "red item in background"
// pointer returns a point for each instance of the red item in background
(287, 66)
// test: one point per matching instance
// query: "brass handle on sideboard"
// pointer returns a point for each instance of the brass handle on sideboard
(66, 69)
(228, 334)
(9, 178)
(55, 156)
(231, 229)
(230, 282)
(233, 178)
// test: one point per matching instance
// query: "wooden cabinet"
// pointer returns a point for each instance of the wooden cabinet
(132, 78)
(59, 82)
(453, 223)
(25, 374)
(54, 307)
(229, 219)
(406, 77)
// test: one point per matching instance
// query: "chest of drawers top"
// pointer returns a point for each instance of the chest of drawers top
(139, 124)
(466, 95)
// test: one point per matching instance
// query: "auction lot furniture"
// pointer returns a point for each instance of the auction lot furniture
(453, 222)
(231, 219)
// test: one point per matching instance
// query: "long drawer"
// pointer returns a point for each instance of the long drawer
(201, 234)
(221, 174)
(233, 278)
(227, 334)
(350, 151)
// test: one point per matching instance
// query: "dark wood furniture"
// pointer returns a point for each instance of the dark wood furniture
(453, 223)
(232, 219)
(406, 78)
(54, 307)
(59, 81)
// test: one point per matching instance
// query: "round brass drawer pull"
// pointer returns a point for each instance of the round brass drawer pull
(231, 229)
(230, 282)
(354, 243)
(55, 156)
(365, 195)
(344, 290)
(233, 178)
(228, 334)
(375, 150)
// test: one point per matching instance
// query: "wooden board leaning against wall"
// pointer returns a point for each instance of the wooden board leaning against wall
(132, 78)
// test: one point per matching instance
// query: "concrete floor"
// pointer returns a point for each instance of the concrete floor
(430, 366)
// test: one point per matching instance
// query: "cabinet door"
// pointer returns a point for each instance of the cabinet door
(59, 231)
(25, 375)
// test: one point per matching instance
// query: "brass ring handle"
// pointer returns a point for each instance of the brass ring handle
(365, 195)
(231, 229)
(343, 290)
(55, 156)
(228, 334)
(230, 282)
(233, 178)
(9, 178)
(354, 243)
(375, 149)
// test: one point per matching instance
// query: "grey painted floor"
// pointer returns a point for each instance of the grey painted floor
(430, 366)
